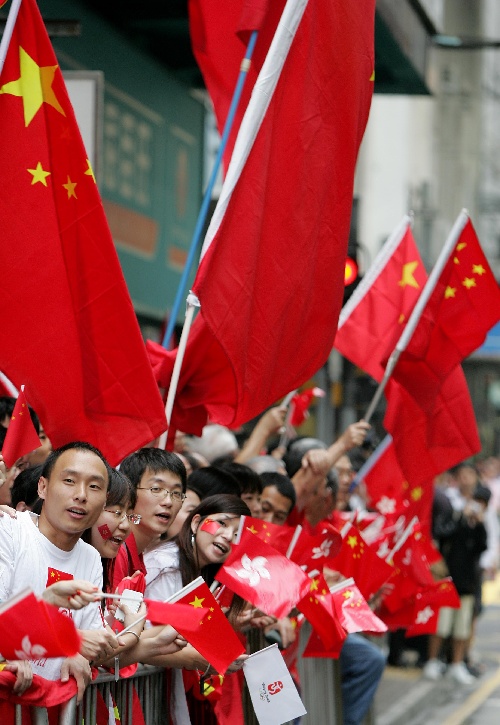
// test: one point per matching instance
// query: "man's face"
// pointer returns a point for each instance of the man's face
(467, 481)
(252, 500)
(345, 473)
(75, 493)
(155, 504)
(275, 507)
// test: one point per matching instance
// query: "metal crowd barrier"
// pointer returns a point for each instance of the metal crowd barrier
(148, 684)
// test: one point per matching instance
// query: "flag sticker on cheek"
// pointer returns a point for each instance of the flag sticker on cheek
(211, 526)
(104, 531)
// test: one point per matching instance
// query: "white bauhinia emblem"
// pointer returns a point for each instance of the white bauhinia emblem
(253, 569)
(424, 615)
(322, 550)
(386, 505)
(30, 651)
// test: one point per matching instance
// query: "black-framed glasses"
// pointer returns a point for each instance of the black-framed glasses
(160, 492)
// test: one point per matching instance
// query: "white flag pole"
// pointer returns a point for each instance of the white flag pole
(192, 303)
(9, 29)
(415, 316)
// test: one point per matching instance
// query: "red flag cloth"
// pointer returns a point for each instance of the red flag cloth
(429, 442)
(300, 405)
(263, 576)
(319, 609)
(384, 481)
(316, 648)
(55, 575)
(318, 550)
(21, 437)
(219, 34)
(279, 537)
(214, 639)
(372, 321)
(276, 250)
(353, 611)
(464, 305)
(62, 281)
(411, 558)
(427, 604)
(32, 629)
(41, 693)
(360, 561)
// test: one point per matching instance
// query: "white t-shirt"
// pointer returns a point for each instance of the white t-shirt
(162, 580)
(26, 560)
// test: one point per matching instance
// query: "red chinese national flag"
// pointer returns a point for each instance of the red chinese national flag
(55, 575)
(353, 611)
(263, 576)
(277, 241)
(279, 537)
(82, 358)
(32, 630)
(319, 609)
(373, 319)
(214, 638)
(21, 437)
(463, 306)
(359, 560)
(186, 619)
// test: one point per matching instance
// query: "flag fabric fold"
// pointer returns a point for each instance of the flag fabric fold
(83, 358)
(21, 436)
(353, 611)
(277, 243)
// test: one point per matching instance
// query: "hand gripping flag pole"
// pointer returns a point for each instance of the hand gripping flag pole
(200, 222)
(419, 308)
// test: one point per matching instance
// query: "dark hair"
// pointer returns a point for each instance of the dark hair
(193, 461)
(154, 459)
(482, 493)
(7, 404)
(249, 480)
(120, 490)
(49, 464)
(25, 487)
(282, 483)
(296, 451)
(188, 564)
(212, 481)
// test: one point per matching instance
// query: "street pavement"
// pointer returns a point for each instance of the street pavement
(404, 697)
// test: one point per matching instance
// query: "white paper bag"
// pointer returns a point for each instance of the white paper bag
(274, 696)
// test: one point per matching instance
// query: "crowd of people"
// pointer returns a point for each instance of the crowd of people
(67, 514)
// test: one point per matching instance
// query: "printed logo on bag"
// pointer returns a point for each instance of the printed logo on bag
(253, 569)
(275, 687)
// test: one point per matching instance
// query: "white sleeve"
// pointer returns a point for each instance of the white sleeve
(91, 616)
(7, 556)
(163, 575)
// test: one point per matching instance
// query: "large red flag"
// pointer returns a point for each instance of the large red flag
(261, 575)
(82, 357)
(373, 319)
(32, 629)
(276, 247)
(463, 306)
(214, 639)
(21, 436)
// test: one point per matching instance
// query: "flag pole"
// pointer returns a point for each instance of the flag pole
(192, 303)
(9, 29)
(416, 314)
(202, 215)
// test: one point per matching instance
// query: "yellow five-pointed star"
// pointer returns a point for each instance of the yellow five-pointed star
(70, 188)
(314, 585)
(89, 171)
(39, 174)
(469, 282)
(251, 529)
(352, 541)
(197, 603)
(478, 269)
(460, 246)
(347, 594)
(407, 278)
(416, 493)
(449, 292)
(34, 86)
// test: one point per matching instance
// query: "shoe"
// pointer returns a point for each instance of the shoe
(433, 670)
(458, 673)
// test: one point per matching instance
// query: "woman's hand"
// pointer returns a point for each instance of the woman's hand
(24, 675)
(71, 593)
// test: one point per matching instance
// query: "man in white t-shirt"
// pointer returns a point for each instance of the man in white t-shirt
(38, 551)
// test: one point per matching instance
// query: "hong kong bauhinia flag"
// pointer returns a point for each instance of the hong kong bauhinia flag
(263, 576)
(277, 242)
(82, 357)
